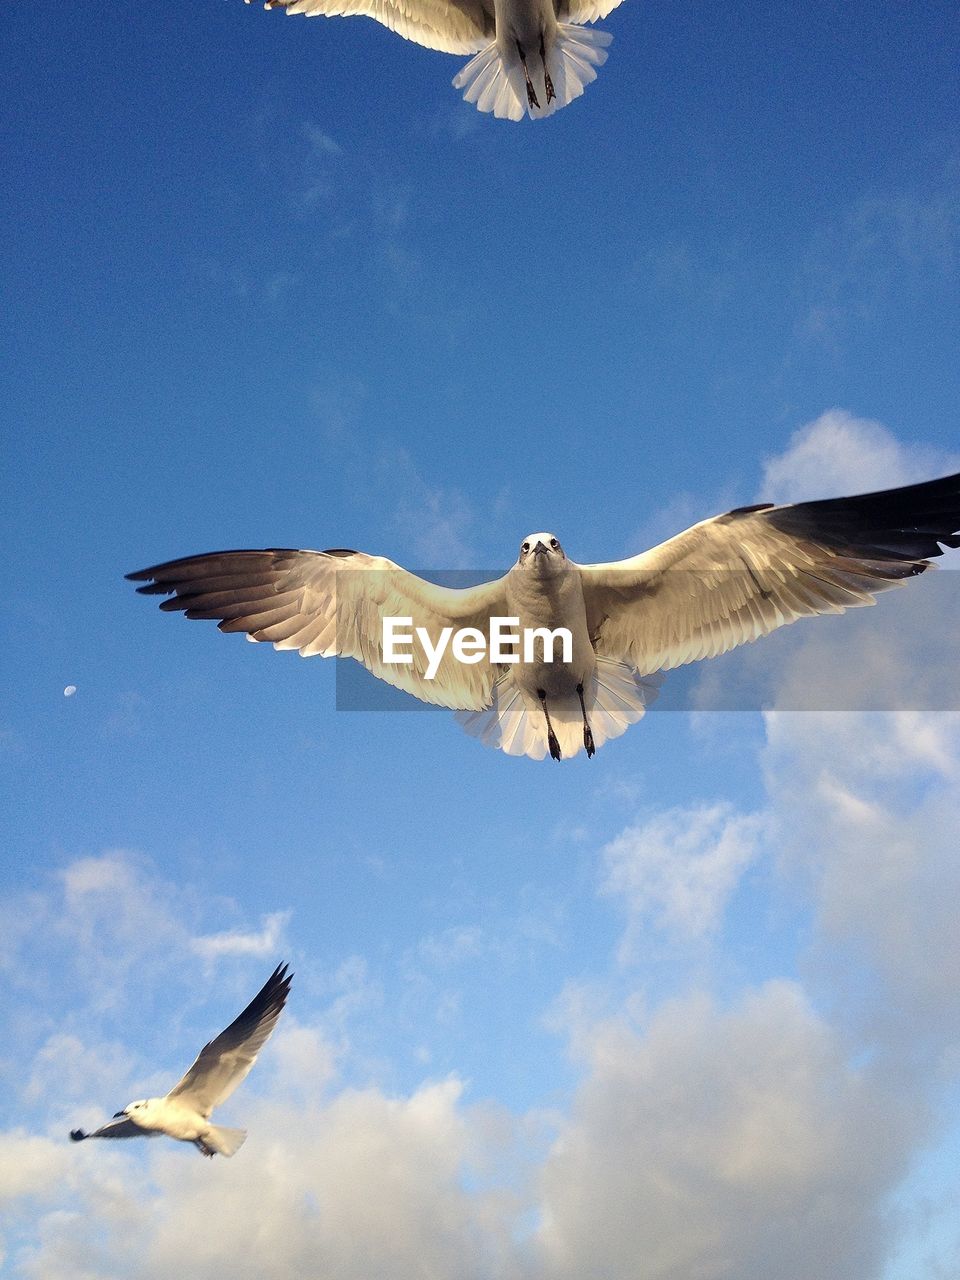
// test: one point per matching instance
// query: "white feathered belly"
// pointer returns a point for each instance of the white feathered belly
(524, 22)
(556, 679)
(182, 1123)
(552, 605)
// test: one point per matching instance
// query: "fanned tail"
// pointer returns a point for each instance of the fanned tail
(506, 725)
(499, 86)
(484, 80)
(621, 695)
(225, 1141)
(573, 60)
(617, 698)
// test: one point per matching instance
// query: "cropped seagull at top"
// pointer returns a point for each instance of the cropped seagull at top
(184, 1113)
(532, 56)
(721, 583)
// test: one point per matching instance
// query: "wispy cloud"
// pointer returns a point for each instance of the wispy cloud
(268, 941)
(680, 868)
(434, 520)
(320, 141)
(882, 247)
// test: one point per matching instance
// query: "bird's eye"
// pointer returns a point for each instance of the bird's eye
(554, 543)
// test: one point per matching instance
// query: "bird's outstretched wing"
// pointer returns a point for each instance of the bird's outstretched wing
(223, 1063)
(452, 26)
(741, 575)
(333, 603)
(120, 1127)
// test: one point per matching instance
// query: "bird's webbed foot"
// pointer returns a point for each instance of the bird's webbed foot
(203, 1148)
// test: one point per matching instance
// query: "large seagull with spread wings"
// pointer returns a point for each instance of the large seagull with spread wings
(531, 56)
(721, 583)
(184, 1113)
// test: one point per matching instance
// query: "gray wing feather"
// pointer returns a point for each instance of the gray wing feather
(452, 26)
(739, 576)
(581, 11)
(122, 1127)
(325, 603)
(223, 1063)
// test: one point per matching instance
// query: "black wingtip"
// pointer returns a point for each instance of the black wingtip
(908, 524)
(77, 1135)
(277, 987)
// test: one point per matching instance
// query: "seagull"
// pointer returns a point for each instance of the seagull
(721, 583)
(184, 1113)
(531, 56)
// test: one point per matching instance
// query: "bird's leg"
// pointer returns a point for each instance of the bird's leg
(551, 92)
(203, 1148)
(532, 99)
(587, 731)
(552, 742)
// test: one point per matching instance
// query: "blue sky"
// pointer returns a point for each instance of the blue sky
(269, 281)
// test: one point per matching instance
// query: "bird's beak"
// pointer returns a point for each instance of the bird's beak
(118, 1115)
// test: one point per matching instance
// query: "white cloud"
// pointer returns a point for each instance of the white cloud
(235, 942)
(866, 810)
(453, 945)
(839, 453)
(29, 1165)
(365, 1184)
(863, 807)
(116, 904)
(681, 867)
(303, 1057)
(69, 1071)
(722, 1145)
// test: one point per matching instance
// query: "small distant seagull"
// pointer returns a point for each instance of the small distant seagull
(184, 1113)
(721, 583)
(532, 56)
(70, 690)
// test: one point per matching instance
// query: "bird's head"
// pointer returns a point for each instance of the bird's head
(134, 1108)
(541, 553)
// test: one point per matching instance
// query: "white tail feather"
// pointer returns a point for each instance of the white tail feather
(225, 1141)
(617, 698)
(499, 86)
